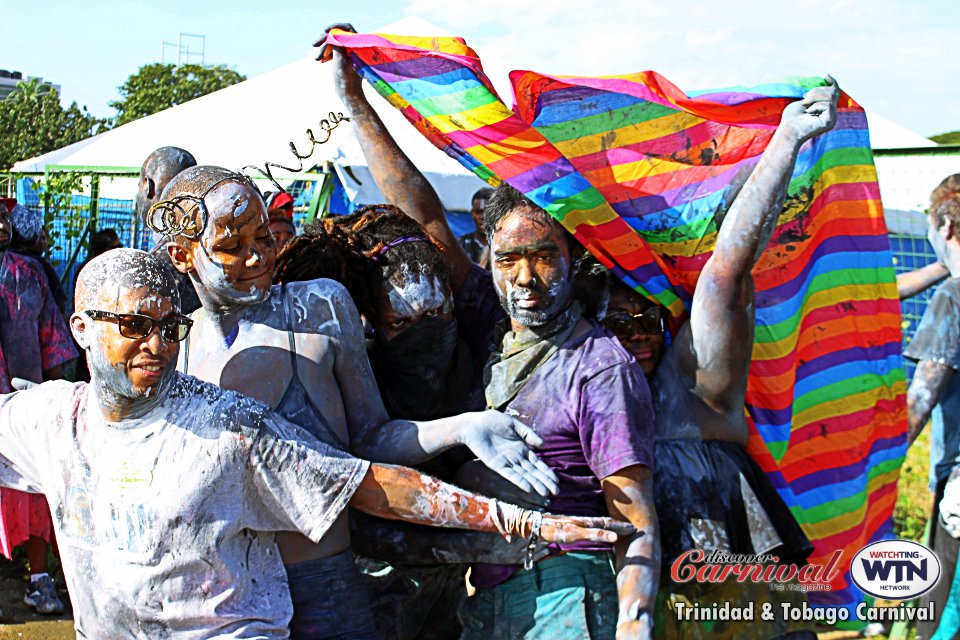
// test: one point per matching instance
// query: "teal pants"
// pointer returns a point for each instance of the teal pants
(567, 597)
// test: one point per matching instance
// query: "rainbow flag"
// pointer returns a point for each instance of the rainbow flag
(640, 172)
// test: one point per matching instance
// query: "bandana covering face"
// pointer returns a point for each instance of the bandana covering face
(413, 369)
(522, 353)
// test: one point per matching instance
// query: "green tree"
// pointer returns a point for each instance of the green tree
(33, 122)
(156, 87)
(947, 138)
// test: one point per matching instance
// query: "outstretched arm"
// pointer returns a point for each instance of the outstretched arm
(399, 180)
(399, 493)
(629, 494)
(499, 441)
(393, 541)
(919, 280)
(722, 315)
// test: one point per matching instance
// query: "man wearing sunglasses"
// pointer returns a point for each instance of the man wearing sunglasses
(167, 491)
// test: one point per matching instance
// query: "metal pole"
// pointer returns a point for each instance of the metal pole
(94, 201)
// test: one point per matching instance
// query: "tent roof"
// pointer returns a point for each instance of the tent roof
(253, 122)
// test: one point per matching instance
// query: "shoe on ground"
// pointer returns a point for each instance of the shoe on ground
(42, 596)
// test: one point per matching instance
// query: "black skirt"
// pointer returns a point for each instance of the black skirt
(711, 495)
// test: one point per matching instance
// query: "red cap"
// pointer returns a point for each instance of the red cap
(280, 204)
(10, 202)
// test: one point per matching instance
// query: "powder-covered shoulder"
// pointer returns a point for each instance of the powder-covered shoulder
(43, 404)
(212, 408)
(320, 306)
(52, 392)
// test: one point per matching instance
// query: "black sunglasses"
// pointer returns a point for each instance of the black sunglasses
(623, 324)
(135, 326)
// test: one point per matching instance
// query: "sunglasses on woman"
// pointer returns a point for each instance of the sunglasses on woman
(623, 324)
(135, 326)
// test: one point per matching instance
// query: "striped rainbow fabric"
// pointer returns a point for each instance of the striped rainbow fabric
(640, 172)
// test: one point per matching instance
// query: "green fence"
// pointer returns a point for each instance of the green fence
(76, 201)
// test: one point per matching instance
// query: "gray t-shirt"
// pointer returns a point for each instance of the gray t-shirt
(938, 339)
(165, 523)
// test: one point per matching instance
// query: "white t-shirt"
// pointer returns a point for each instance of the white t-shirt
(165, 523)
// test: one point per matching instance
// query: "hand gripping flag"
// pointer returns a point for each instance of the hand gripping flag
(642, 173)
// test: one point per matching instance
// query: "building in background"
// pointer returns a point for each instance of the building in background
(10, 79)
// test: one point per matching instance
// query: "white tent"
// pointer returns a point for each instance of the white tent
(253, 122)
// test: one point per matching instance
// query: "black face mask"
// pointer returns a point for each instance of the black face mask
(413, 369)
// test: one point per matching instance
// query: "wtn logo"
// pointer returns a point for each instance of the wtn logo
(895, 569)
(902, 569)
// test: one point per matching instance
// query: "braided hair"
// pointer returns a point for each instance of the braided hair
(365, 251)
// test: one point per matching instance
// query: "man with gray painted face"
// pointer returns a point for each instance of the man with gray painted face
(568, 379)
(169, 490)
(300, 349)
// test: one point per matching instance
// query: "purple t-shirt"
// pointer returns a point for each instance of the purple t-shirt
(591, 405)
(33, 334)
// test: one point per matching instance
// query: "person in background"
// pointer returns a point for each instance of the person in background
(475, 242)
(30, 239)
(934, 396)
(279, 205)
(100, 242)
(283, 231)
(160, 167)
(36, 345)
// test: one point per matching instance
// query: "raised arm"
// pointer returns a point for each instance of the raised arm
(919, 280)
(722, 315)
(398, 493)
(401, 183)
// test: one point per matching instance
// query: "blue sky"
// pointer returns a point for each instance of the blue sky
(896, 57)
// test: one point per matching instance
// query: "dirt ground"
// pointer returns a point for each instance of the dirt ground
(19, 620)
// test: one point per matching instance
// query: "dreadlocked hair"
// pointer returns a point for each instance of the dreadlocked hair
(356, 250)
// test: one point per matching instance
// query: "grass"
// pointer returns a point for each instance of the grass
(914, 498)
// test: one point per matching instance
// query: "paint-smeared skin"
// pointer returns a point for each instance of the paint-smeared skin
(398, 179)
(401, 493)
(257, 363)
(417, 294)
(404, 544)
(702, 380)
(629, 497)
(929, 380)
(919, 280)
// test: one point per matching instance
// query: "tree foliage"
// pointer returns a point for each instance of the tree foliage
(156, 87)
(947, 138)
(33, 122)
